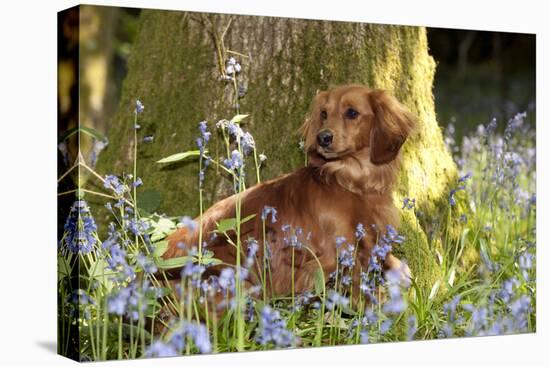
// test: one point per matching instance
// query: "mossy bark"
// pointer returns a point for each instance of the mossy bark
(174, 71)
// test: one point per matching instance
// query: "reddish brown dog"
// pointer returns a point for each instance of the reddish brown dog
(353, 138)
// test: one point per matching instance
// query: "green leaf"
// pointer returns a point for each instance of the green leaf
(230, 224)
(161, 229)
(434, 290)
(225, 225)
(180, 156)
(319, 282)
(98, 268)
(112, 331)
(174, 262)
(211, 261)
(238, 118)
(160, 248)
(63, 268)
(152, 294)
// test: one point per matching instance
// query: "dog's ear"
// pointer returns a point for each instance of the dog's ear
(392, 125)
(311, 126)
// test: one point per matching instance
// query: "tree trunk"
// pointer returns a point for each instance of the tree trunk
(174, 70)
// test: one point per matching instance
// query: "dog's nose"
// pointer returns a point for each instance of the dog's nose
(324, 138)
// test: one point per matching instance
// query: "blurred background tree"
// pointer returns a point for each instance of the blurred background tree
(481, 75)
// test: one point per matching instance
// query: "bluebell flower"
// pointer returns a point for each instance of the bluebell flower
(396, 302)
(117, 303)
(451, 307)
(408, 203)
(189, 223)
(204, 138)
(234, 130)
(269, 210)
(247, 143)
(161, 349)
(146, 264)
(335, 299)
(360, 232)
(340, 240)
(412, 327)
(193, 271)
(526, 262)
(385, 326)
(226, 280)
(346, 256)
(236, 161)
(110, 241)
(272, 329)
(364, 337)
(139, 107)
(137, 226)
(251, 253)
(112, 182)
(195, 332)
(80, 230)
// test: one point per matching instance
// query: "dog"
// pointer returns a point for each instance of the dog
(353, 137)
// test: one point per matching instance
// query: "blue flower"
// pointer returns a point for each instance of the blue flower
(112, 182)
(117, 304)
(195, 332)
(80, 230)
(189, 223)
(137, 227)
(335, 299)
(204, 138)
(412, 327)
(139, 107)
(247, 143)
(364, 337)
(236, 161)
(272, 329)
(340, 240)
(251, 254)
(396, 302)
(346, 256)
(408, 203)
(360, 232)
(226, 280)
(266, 211)
(193, 271)
(148, 138)
(161, 349)
(146, 264)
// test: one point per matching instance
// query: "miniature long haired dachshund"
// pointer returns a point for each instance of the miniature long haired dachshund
(353, 137)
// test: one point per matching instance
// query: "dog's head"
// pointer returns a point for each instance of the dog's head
(350, 119)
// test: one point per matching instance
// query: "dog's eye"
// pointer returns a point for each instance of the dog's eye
(351, 114)
(323, 115)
